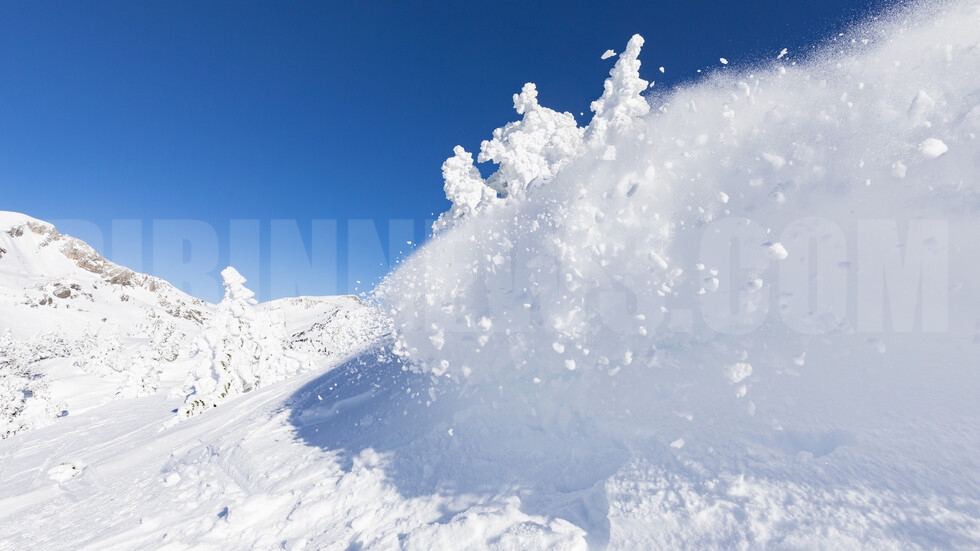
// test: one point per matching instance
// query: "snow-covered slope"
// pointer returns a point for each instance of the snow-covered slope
(77, 330)
(42, 270)
(740, 314)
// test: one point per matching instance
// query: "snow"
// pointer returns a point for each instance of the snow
(12, 219)
(716, 336)
(933, 147)
(608, 53)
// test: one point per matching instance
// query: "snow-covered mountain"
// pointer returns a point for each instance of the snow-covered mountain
(77, 330)
(739, 314)
(49, 280)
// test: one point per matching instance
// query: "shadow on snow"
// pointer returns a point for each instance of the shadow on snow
(441, 438)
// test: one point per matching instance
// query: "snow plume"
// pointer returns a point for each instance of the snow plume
(531, 266)
(243, 349)
(611, 295)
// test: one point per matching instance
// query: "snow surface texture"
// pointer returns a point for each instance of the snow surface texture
(574, 361)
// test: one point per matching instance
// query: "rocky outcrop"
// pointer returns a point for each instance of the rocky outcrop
(171, 300)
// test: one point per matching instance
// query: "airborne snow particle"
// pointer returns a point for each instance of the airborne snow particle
(608, 54)
(899, 169)
(723, 61)
(933, 147)
(776, 251)
(677, 444)
(738, 372)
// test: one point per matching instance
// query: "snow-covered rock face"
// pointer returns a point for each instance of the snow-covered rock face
(44, 270)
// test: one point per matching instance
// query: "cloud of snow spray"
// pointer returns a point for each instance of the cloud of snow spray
(688, 261)
(576, 220)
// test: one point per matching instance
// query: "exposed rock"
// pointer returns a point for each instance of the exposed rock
(172, 301)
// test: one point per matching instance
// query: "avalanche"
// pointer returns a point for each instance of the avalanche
(738, 314)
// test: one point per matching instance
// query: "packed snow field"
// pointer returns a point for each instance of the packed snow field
(737, 314)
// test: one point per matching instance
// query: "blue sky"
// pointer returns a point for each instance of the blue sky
(302, 141)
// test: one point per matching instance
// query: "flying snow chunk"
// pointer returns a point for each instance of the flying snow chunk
(677, 444)
(64, 472)
(933, 147)
(662, 70)
(723, 61)
(739, 372)
(776, 251)
(608, 54)
(921, 105)
(776, 161)
(782, 53)
(899, 169)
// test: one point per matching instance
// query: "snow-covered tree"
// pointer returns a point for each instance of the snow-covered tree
(621, 102)
(537, 146)
(142, 375)
(245, 349)
(465, 187)
(100, 352)
(24, 398)
(544, 141)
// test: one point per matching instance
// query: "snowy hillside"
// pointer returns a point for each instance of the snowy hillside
(77, 331)
(739, 314)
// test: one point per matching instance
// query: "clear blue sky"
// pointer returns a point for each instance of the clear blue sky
(277, 114)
